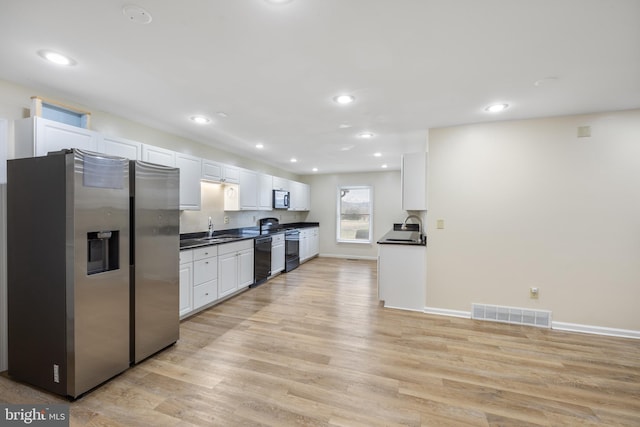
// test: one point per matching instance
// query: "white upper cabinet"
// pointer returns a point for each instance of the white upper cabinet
(281, 183)
(211, 171)
(230, 174)
(414, 181)
(265, 192)
(35, 136)
(248, 188)
(219, 172)
(157, 155)
(190, 171)
(120, 147)
(253, 192)
(300, 196)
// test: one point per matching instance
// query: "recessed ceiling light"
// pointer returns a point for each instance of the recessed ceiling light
(377, 154)
(315, 169)
(344, 126)
(347, 148)
(365, 135)
(222, 114)
(259, 146)
(384, 166)
(496, 108)
(201, 120)
(293, 160)
(344, 99)
(56, 58)
(545, 81)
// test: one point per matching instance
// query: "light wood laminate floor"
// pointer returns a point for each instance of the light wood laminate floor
(313, 347)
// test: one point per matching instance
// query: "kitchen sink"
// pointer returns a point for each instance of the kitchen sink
(216, 239)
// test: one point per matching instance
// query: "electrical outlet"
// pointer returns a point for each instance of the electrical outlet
(584, 131)
(226, 220)
(533, 293)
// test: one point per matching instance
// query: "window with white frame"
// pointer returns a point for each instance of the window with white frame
(355, 214)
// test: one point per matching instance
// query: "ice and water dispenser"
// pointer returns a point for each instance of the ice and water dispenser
(103, 251)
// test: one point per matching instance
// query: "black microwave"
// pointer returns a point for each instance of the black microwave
(280, 199)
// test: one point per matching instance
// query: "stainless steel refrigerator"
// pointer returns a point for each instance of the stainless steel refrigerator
(68, 270)
(155, 242)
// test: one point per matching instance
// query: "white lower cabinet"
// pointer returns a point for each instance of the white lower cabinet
(314, 241)
(205, 276)
(198, 278)
(277, 254)
(303, 249)
(235, 266)
(402, 276)
(309, 243)
(186, 282)
(228, 269)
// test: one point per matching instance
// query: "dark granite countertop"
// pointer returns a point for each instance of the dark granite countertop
(200, 239)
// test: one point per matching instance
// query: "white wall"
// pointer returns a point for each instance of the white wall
(386, 209)
(527, 203)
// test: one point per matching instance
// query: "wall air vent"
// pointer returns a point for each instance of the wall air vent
(514, 315)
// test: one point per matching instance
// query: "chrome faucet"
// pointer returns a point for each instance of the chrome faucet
(210, 227)
(404, 224)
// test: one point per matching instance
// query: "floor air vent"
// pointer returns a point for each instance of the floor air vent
(517, 316)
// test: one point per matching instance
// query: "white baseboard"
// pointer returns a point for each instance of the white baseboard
(341, 256)
(597, 330)
(446, 312)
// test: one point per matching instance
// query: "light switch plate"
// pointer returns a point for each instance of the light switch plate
(440, 224)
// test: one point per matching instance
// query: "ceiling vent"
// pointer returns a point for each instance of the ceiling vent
(136, 14)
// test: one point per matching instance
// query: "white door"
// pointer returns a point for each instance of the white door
(120, 147)
(245, 268)
(227, 274)
(190, 173)
(54, 136)
(277, 258)
(265, 192)
(158, 155)
(186, 286)
(248, 190)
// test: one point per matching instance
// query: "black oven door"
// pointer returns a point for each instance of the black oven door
(292, 250)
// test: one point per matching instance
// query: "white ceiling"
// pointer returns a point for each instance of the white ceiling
(274, 69)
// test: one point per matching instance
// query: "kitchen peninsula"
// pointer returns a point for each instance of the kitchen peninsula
(402, 268)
